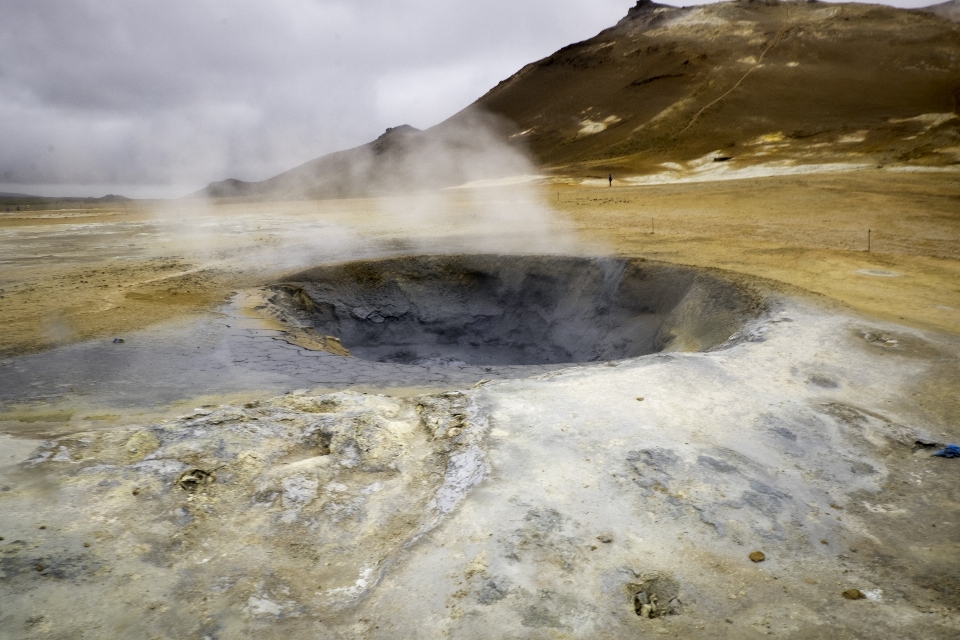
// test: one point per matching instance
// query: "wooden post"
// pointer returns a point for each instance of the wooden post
(653, 226)
(868, 240)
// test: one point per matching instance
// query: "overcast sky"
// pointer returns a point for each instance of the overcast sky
(158, 98)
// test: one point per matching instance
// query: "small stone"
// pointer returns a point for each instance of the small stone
(639, 399)
(86, 544)
(730, 620)
(853, 594)
(195, 479)
(757, 556)
(645, 611)
(823, 542)
(43, 526)
(605, 537)
(136, 491)
(641, 598)
(673, 607)
(39, 567)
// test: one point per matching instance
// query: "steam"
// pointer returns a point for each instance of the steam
(457, 188)
(153, 100)
(471, 192)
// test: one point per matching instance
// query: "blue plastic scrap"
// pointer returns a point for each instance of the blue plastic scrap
(949, 451)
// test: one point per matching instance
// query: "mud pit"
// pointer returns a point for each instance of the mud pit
(424, 323)
(513, 310)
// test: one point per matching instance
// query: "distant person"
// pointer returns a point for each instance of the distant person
(610, 178)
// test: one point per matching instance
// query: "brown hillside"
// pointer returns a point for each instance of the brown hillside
(752, 80)
(949, 10)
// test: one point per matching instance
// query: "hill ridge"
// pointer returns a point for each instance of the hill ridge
(669, 88)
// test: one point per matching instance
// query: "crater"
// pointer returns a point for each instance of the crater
(514, 310)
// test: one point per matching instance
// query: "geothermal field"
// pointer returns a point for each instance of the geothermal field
(658, 338)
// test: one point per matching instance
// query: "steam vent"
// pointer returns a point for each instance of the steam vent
(515, 310)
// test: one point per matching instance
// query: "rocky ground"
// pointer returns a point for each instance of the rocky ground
(179, 490)
(603, 500)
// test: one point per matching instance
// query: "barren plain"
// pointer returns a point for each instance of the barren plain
(681, 372)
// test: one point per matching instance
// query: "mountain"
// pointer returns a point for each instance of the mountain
(949, 10)
(402, 159)
(9, 198)
(4, 194)
(339, 174)
(752, 81)
(805, 82)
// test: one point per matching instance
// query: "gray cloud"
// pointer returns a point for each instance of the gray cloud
(159, 98)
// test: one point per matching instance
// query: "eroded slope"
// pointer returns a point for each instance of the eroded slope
(747, 80)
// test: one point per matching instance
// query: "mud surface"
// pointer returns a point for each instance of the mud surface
(515, 310)
(607, 500)
(231, 352)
